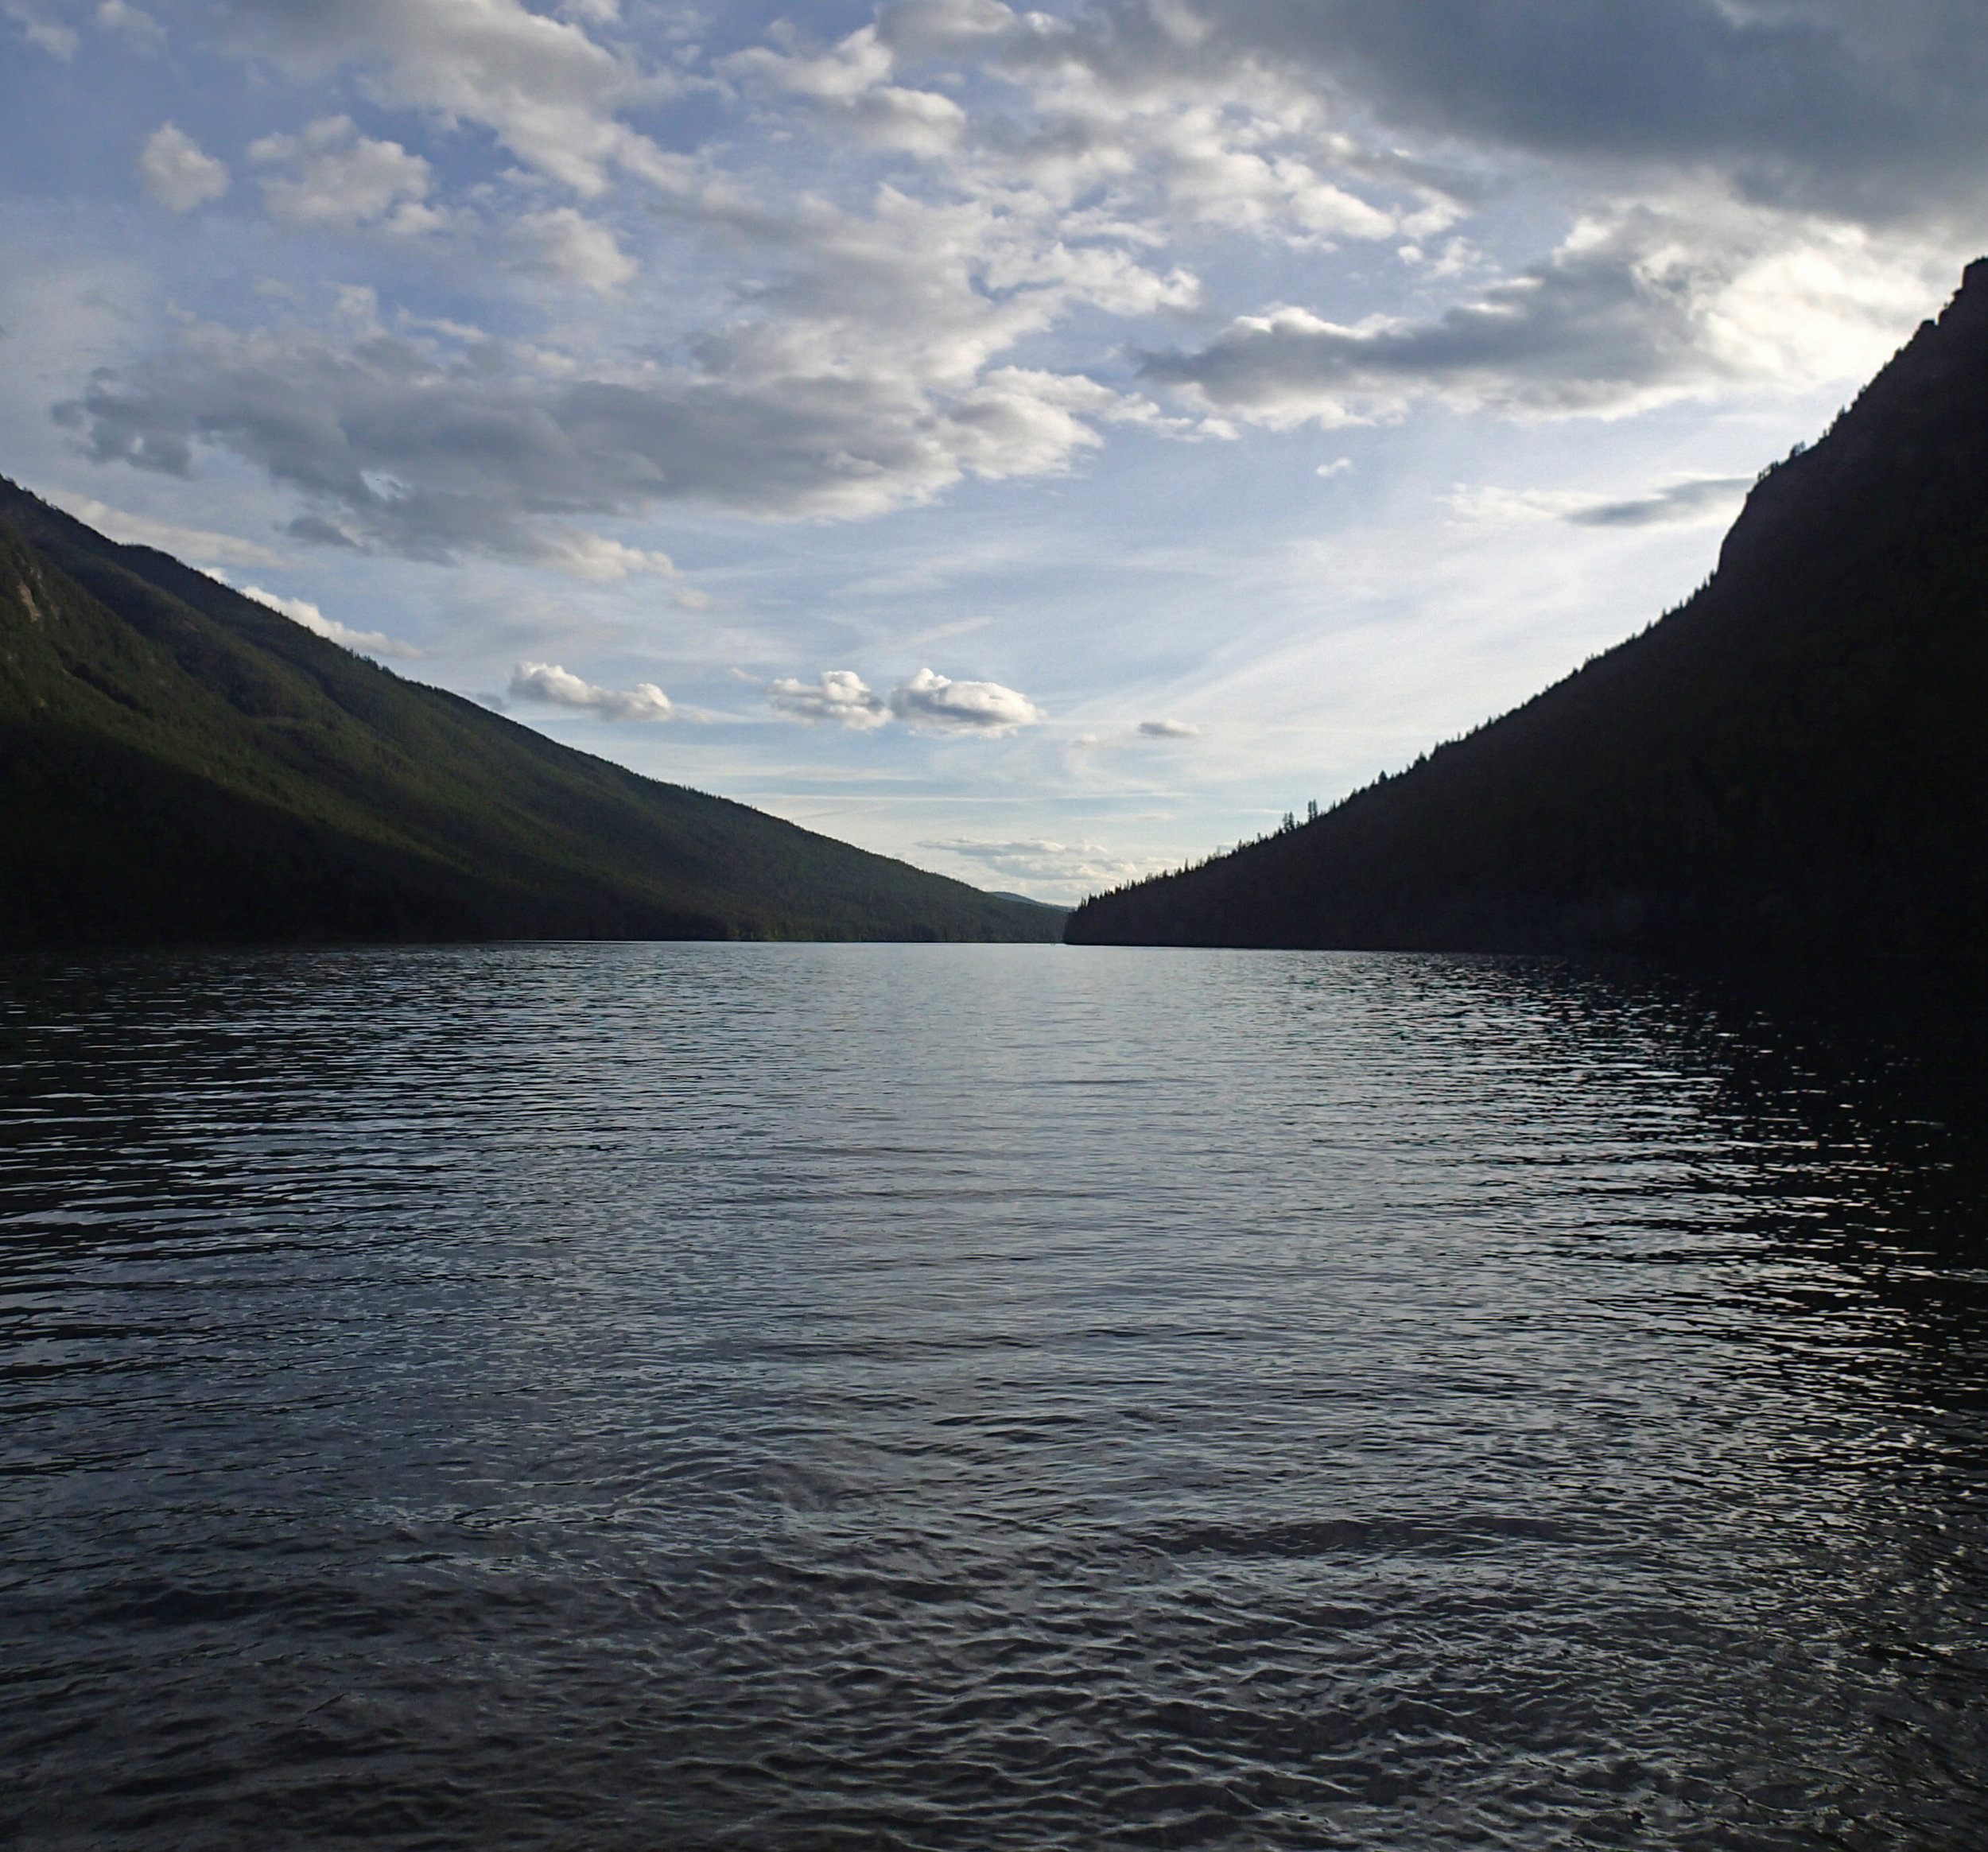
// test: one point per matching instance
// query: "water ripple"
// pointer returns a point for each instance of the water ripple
(787, 1397)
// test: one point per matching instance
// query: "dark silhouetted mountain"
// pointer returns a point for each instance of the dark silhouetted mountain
(179, 763)
(1793, 764)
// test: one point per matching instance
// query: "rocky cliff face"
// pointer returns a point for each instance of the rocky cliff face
(1793, 764)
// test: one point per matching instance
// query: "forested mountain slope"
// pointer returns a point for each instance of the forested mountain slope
(1792, 764)
(178, 762)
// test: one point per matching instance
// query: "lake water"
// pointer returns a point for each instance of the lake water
(797, 1396)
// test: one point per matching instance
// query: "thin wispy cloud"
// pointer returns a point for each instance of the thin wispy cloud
(1699, 498)
(1709, 498)
(199, 545)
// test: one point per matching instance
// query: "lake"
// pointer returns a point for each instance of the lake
(790, 1396)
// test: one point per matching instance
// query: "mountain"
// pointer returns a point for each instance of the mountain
(1791, 765)
(179, 762)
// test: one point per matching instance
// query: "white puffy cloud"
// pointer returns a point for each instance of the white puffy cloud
(932, 704)
(548, 92)
(1136, 107)
(302, 612)
(338, 179)
(564, 244)
(599, 561)
(839, 697)
(852, 81)
(927, 702)
(548, 682)
(176, 175)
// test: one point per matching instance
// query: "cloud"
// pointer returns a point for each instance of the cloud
(547, 91)
(959, 243)
(1639, 306)
(931, 704)
(563, 244)
(547, 681)
(58, 42)
(132, 26)
(851, 81)
(301, 612)
(858, 373)
(599, 561)
(318, 532)
(1075, 868)
(840, 697)
(426, 449)
(1491, 505)
(1588, 330)
(927, 703)
(340, 180)
(1720, 145)
(1703, 498)
(188, 543)
(176, 175)
(819, 309)
(1133, 103)
(1811, 105)
(1700, 499)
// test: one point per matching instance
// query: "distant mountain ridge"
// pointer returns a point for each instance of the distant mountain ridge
(1792, 764)
(178, 762)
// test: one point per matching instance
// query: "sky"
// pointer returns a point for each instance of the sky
(1045, 446)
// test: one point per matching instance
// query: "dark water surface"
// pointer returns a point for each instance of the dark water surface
(682, 1396)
